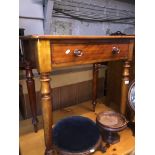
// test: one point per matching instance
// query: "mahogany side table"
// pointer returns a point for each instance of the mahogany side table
(46, 52)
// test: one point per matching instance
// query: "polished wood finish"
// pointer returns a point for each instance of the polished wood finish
(114, 71)
(32, 95)
(39, 49)
(124, 86)
(21, 102)
(74, 37)
(43, 56)
(90, 52)
(126, 80)
(95, 85)
(27, 66)
(43, 48)
(46, 111)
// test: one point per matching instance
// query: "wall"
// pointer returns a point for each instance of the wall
(31, 16)
(64, 24)
(75, 27)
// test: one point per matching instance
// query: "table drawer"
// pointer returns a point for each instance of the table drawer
(85, 53)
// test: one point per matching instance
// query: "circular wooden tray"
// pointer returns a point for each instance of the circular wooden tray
(111, 121)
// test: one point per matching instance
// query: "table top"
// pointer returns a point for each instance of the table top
(75, 37)
(44, 51)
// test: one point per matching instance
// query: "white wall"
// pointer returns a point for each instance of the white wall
(34, 8)
(68, 26)
(31, 9)
(64, 26)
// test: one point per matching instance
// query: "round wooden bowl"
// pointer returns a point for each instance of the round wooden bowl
(109, 124)
(111, 121)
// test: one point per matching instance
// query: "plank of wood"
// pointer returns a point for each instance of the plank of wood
(33, 143)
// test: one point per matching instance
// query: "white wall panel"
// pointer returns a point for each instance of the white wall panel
(28, 9)
(31, 26)
(31, 8)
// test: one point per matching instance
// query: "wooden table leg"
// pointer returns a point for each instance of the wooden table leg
(32, 94)
(124, 87)
(95, 82)
(21, 102)
(46, 102)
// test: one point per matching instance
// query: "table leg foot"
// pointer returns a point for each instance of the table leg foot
(94, 105)
(35, 124)
(49, 152)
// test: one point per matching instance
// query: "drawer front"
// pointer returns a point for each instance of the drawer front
(87, 53)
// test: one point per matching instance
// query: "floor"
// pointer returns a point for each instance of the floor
(33, 143)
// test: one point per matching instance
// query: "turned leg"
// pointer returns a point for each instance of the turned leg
(32, 94)
(21, 102)
(124, 87)
(95, 80)
(46, 102)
